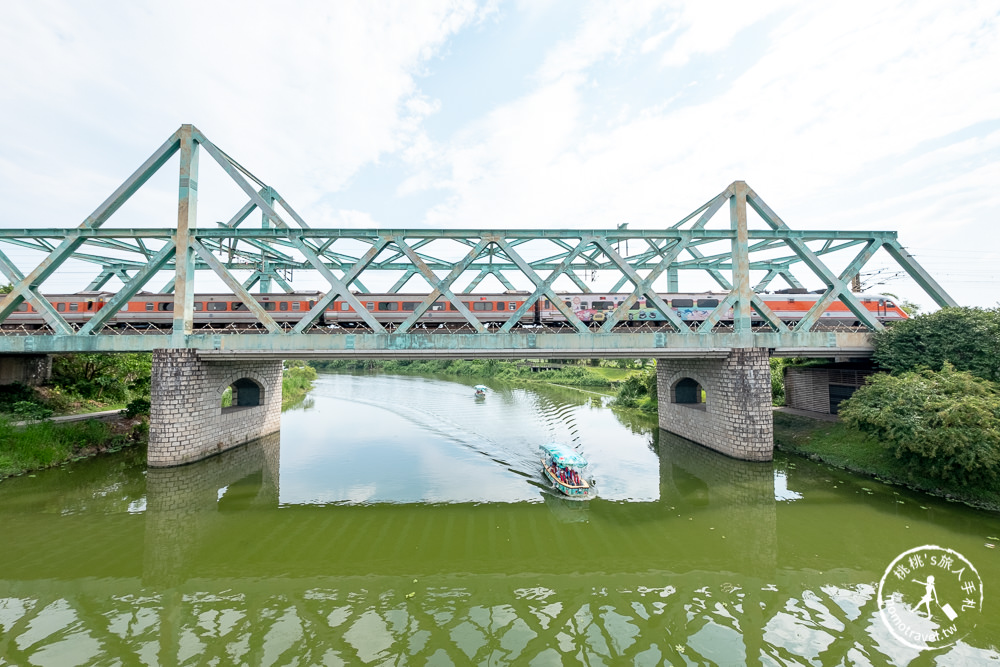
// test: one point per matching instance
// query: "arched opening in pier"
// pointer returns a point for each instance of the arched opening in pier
(688, 392)
(243, 393)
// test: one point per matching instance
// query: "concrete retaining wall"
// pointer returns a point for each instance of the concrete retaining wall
(31, 370)
(187, 422)
(736, 417)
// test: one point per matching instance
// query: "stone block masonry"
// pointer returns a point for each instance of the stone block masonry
(736, 417)
(187, 422)
(820, 388)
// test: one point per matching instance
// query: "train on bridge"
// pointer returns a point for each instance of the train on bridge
(156, 310)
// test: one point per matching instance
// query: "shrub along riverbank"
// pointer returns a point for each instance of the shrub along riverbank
(843, 446)
(558, 372)
(296, 381)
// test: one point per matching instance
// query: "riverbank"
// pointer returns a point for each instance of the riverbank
(27, 448)
(571, 374)
(836, 444)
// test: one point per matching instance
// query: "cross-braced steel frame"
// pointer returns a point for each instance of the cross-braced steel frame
(543, 263)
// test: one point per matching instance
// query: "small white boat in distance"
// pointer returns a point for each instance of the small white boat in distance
(480, 391)
(566, 469)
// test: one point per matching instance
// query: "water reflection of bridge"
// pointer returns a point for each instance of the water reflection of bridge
(216, 570)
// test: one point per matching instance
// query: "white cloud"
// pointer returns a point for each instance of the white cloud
(302, 94)
(851, 115)
(838, 98)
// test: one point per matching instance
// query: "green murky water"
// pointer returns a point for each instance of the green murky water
(398, 520)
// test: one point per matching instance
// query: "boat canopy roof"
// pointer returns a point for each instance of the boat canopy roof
(480, 386)
(563, 455)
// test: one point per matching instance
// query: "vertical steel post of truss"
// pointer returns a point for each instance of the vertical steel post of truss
(741, 261)
(264, 286)
(187, 219)
(672, 282)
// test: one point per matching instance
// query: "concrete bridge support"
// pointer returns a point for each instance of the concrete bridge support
(723, 404)
(187, 421)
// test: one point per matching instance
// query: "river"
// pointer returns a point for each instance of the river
(400, 520)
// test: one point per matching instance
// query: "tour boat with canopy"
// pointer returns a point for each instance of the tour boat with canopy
(480, 390)
(565, 468)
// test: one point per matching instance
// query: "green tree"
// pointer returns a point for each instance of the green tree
(105, 377)
(968, 338)
(945, 424)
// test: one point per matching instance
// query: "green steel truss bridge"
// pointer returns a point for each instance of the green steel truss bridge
(266, 243)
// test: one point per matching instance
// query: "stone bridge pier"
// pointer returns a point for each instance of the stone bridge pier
(721, 403)
(187, 422)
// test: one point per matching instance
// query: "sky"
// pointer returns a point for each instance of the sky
(555, 114)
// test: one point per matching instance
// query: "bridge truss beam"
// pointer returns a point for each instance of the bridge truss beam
(346, 264)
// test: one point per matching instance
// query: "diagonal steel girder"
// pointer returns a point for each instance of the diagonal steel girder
(544, 287)
(26, 287)
(643, 286)
(339, 288)
(836, 287)
(442, 287)
(251, 303)
(131, 287)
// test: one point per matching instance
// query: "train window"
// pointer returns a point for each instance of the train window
(387, 305)
(548, 304)
(569, 304)
(61, 307)
(584, 305)
(199, 305)
(603, 305)
(24, 306)
(312, 304)
(708, 303)
(370, 305)
(682, 303)
(284, 305)
(296, 305)
(438, 305)
(482, 305)
(452, 307)
(512, 306)
(216, 305)
(344, 306)
(502, 306)
(409, 306)
(269, 305)
(237, 305)
(890, 304)
(149, 306)
(165, 305)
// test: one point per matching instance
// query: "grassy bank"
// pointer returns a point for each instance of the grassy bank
(836, 444)
(296, 381)
(45, 444)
